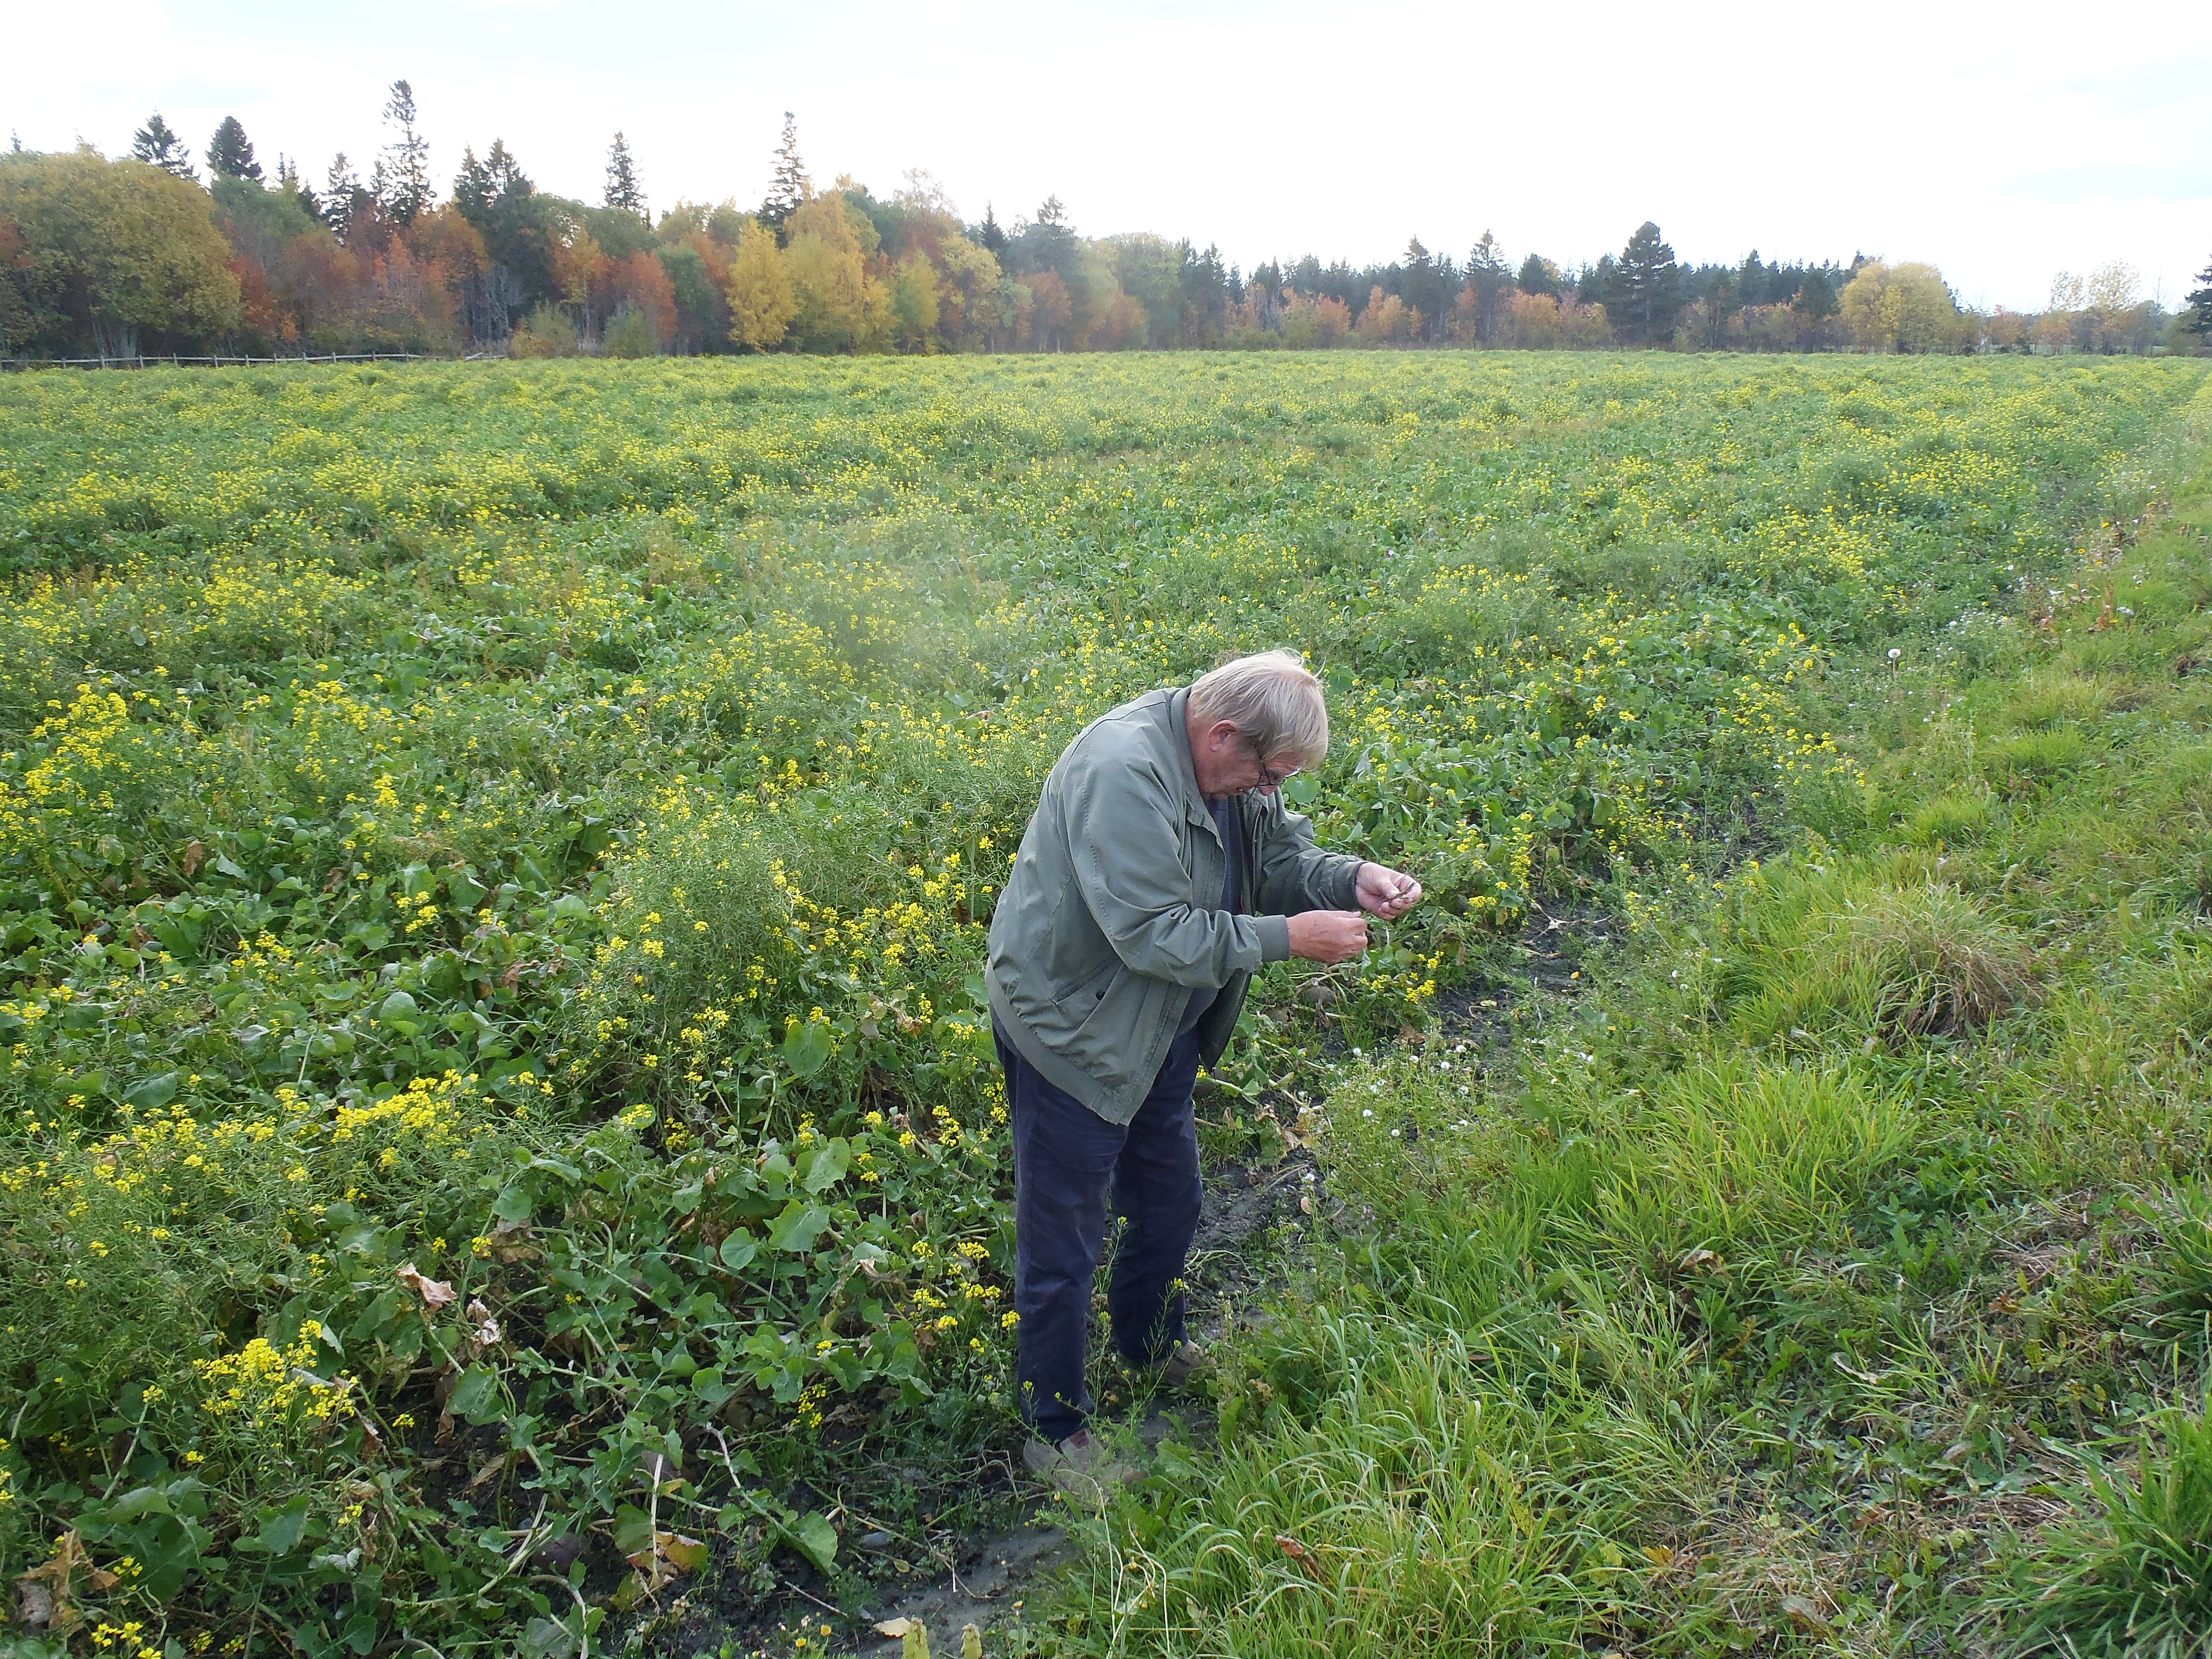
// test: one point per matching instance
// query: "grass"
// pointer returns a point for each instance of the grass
(1829, 1277)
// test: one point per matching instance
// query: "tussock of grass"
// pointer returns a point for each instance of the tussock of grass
(2131, 1579)
(1886, 951)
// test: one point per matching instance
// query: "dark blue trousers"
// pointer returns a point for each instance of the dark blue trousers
(1066, 1159)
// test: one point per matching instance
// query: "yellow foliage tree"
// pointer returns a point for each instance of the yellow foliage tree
(762, 301)
(841, 307)
(913, 302)
(1907, 307)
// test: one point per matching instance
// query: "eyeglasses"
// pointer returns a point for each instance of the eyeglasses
(1269, 778)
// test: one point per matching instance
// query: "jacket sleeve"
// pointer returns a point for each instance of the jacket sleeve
(1123, 829)
(1294, 874)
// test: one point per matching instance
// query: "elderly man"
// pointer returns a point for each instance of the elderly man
(1160, 869)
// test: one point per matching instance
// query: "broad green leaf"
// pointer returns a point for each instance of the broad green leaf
(158, 1090)
(633, 1530)
(798, 1227)
(476, 1395)
(813, 1537)
(738, 1251)
(807, 1048)
(826, 1165)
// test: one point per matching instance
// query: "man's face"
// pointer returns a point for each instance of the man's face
(1228, 763)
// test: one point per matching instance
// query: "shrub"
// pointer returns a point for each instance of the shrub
(547, 332)
(631, 334)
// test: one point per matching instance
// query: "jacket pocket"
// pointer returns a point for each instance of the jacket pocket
(1082, 1000)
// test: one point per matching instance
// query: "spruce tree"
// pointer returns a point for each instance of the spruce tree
(1646, 287)
(791, 186)
(340, 190)
(991, 233)
(1816, 295)
(157, 143)
(2200, 303)
(404, 167)
(624, 190)
(230, 152)
(1488, 277)
(1537, 276)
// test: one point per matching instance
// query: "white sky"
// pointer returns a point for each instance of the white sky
(2001, 142)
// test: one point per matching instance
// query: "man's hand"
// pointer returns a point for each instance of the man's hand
(1328, 935)
(1386, 892)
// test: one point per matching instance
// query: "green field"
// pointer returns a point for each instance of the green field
(492, 866)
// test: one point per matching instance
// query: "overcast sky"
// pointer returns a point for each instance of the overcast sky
(2002, 142)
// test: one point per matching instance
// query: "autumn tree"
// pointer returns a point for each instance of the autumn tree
(639, 285)
(763, 301)
(789, 187)
(842, 305)
(624, 193)
(914, 303)
(115, 255)
(157, 143)
(406, 161)
(1646, 286)
(1907, 308)
(230, 152)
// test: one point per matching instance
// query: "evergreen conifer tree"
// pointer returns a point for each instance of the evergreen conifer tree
(404, 167)
(341, 187)
(230, 152)
(1646, 287)
(791, 186)
(1537, 276)
(991, 233)
(623, 191)
(2200, 303)
(157, 143)
(1816, 295)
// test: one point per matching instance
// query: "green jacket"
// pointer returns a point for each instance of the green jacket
(1108, 922)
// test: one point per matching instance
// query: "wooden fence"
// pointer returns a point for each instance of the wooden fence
(19, 364)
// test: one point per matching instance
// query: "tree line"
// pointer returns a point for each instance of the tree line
(118, 257)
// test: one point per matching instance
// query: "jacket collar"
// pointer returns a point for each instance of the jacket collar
(1194, 800)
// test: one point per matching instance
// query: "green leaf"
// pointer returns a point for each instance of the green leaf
(1301, 791)
(798, 1227)
(397, 1006)
(282, 1532)
(807, 1048)
(738, 1251)
(476, 1395)
(144, 1500)
(155, 1091)
(813, 1537)
(633, 1529)
(826, 1165)
(548, 1638)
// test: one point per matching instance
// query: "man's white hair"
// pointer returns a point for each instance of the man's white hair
(1273, 699)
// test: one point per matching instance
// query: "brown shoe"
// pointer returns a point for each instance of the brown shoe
(1188, 1360)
